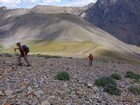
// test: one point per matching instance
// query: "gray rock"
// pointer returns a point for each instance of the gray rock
(39, 93)
(1, 93)
(18, 90)
(45, 102)
(40, 82)
(9, 92)
(30, 90)
(122, 84)
(35, 102)
(65, 85)
(68, 103)
(95, 88)
(89, 85)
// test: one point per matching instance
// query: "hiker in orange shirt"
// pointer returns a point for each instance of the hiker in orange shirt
(90, 57)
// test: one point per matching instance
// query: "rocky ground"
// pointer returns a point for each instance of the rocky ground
(36, 85)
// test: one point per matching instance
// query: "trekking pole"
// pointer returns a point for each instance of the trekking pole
(15, 56)
(15, 51)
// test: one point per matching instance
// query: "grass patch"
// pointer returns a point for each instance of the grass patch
(132, 75)
(109, 84)
(48, 56)
(63, 76)
(134, 90)
(112, 89)
(104, 81)
(40, 55)
(1, 47)
(136, 81)
(116, 76)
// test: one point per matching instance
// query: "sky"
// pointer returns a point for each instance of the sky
(32, 3)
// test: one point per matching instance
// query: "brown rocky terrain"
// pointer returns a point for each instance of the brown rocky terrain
(36, 85)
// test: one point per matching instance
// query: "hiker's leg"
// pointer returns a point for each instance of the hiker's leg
(26, 60)
(91, 62)
(19, 59)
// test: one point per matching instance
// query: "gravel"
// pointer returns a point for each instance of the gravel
(36, 85)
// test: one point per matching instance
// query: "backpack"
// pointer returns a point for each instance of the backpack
(26, 48)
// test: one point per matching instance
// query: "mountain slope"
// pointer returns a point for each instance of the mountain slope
(121, 18)
(57, 9)
(65, 31)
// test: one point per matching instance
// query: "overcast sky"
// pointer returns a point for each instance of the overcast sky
(32, 3)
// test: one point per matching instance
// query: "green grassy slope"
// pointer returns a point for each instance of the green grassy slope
(70, 49)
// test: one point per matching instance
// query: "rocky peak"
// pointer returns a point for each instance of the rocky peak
(120, 18)
(105, 3)
(3, 8)
(124, 3)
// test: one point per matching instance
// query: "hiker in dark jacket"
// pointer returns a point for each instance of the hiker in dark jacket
(90, 57)
(23, 53)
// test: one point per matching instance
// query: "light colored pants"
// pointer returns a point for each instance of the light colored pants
(26, 59)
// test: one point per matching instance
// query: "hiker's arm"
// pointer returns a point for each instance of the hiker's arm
(16, 49)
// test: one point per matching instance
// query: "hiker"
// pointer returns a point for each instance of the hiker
(90, 57)
(24, 50)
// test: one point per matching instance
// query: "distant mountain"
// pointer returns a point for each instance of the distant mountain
(2, 9)
(54, 9)
(5, 14)
(121, 18)
(58, 9)
(43, 9)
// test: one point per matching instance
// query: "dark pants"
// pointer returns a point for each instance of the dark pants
(90, 62)
(19, 59)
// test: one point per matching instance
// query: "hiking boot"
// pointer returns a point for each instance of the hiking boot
(28, 65)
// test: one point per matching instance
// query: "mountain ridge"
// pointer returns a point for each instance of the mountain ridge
(46, 9)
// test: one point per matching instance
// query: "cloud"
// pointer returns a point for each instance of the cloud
(80, 2)
(51, 1)
(10, 1)
(31, 3)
